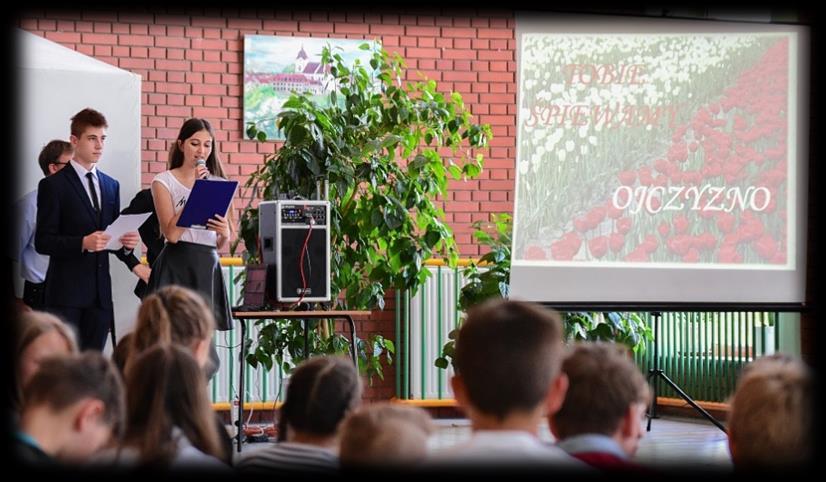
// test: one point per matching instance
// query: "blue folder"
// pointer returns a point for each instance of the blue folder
(207, 199)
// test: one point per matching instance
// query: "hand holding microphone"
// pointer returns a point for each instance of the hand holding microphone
(200, 166)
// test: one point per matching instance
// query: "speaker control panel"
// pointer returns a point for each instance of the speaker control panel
(300, 214)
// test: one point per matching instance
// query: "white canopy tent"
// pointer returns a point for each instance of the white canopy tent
(57, 82)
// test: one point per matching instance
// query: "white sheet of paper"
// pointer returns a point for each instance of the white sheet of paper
(126, 223)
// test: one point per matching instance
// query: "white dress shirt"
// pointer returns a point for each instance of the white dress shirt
(505, 447)
(81, 173)
(33, 265)
(84, 181)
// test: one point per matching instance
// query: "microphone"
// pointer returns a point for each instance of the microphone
(202, 162)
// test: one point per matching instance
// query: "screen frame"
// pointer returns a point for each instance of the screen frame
(650, 288)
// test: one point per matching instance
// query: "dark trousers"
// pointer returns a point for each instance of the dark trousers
(34, 295)
(91, 324)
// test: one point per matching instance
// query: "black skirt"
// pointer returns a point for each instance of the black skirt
(197, 267)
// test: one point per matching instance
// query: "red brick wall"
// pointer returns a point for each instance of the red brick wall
(191, 64)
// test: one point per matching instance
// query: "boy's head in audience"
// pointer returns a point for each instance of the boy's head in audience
(385, 435)
(74, 404)
(607, 395)
(320, 393)
(771, 418)
(507, 359)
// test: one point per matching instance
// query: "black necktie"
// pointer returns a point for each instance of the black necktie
(94, 193)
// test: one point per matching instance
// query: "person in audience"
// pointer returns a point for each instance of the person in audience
(507, 359)
(169, 420)
(174, 314)
(600, 421)
(73, 405)
(771, 422)
(121, 353)
(321, 392)
(40, 335)
(384, 435)
(53, 157)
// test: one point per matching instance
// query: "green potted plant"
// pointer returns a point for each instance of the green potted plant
(379, 147)
(494, 282)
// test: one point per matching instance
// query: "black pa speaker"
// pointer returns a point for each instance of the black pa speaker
(295, 244)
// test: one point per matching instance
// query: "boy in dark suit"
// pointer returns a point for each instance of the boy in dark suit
(74, 207)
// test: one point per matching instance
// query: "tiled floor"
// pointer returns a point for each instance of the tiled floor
(671, 441)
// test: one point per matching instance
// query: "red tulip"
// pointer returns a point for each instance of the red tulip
(766, 247)
(535, 252)
(616, 242)
(779, 258)
(613, 212)
(729, 254)
(650, 243)
(645, 175)
(679, 244)
(624, 225)
(595, 216)
(627, 178)
(637, 255)
(598, 246)
(692, 256)
(680, 224)
(582, 225)
(725, 221)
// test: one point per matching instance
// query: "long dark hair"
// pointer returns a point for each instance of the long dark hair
(165, 389)
(190, 127)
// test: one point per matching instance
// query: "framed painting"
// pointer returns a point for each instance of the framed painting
(275, 67)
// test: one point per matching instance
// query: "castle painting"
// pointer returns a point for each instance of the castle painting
(275, 67)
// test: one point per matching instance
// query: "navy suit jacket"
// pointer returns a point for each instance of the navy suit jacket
(75, 279)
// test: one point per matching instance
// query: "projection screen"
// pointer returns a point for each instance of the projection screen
(660, 161)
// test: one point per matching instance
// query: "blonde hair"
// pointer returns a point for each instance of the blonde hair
(30, 326)
(173, 314)
(770, 423)
(385, 434)
(35, 323)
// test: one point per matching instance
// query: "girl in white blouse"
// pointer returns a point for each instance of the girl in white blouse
(190, 256)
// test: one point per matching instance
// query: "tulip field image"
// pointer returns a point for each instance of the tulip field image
(656, 148)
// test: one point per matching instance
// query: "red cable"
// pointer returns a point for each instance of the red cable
(301, 263)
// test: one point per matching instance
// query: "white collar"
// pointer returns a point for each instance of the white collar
(81, 171)
(592, 442)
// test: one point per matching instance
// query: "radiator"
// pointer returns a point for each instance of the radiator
(259, 384)
(701, 352)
